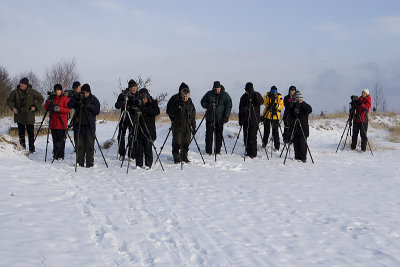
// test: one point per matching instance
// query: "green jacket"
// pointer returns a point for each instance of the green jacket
(223, 105)
(23, 101)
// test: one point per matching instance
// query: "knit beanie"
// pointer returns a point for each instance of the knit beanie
(366, 91)
(183, 86)
(249, 87)
(24, 81)
(132, 83)
(86, 88)
(298, 96)
(57, 87)
(76, 85)
(217, 84)
(274, 89)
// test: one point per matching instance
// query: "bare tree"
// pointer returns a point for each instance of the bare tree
(5, 89)
(63, 72)
(378, 99)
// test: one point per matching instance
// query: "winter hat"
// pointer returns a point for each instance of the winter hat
(24, 81)
(76, 85)
(274, 89)
(298, 96)
(292, 88)
(366, 91)
(132, 83)
(183, 86)
(217, 84)
(144, 92)
(57, 87)
(249, 87)
(86, 88)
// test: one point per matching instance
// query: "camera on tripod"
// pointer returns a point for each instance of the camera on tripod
(213, 101)
(51, 95)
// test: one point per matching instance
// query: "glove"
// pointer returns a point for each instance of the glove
(56, 108)
(226, 119)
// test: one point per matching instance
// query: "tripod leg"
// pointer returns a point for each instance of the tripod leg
(241, 126)
(342, 136)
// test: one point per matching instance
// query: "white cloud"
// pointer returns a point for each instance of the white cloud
(389, 24)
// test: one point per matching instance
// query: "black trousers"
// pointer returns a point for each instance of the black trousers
(300, 146)
(143, 148)
(250, 139)
(180, 143)
(58, 136)
(362, 128)
(219, 129)
(31, 135)
(123, 125)
(275, 132)
(85, 149)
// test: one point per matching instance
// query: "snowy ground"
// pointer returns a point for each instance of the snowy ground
(344, 210)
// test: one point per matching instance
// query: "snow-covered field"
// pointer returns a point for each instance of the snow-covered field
(344, 210)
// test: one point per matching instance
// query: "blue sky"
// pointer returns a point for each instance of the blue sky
(328, 49)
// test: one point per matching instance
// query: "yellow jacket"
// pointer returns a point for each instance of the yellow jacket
(277, 103)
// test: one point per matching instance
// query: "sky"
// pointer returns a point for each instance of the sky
(329, 50)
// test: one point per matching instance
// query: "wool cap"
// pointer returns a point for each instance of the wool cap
(75, 85)
(57, 87)
(366, 91)
(24, 81)
(298, 96)
(217, 84)
(249, 87)
(132, 83)
(86, 88)
(183, 86)
(274, 89)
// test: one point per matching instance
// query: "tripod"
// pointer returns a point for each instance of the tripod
(83, 109)
(297, 122)
(133, 136)
(50, 111)
(181, 139)
(122, 120)
(272, 111)
(352, 113)
(251, 112)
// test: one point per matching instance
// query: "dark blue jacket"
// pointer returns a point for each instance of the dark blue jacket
(90, 108)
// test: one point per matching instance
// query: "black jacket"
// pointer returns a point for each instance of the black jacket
(182, 114)
(244, 107)
(149, 111)
(300, 111)
(223, 105)
(90, 108)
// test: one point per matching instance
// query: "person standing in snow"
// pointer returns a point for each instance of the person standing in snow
(360, 121)
(86, 107)
(272, 113)
(182, 114)
(288, 101)
(56, 104)
(249, 118)
(218, 105)
(24, 101)
(146, 133)
(299, 129)
(127, 99)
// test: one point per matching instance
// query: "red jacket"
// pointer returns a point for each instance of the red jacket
(363, 109)
(55, 122)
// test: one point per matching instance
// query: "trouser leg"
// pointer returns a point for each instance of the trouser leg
(356, 129)
(363, 134)
(31, 137)
(275, 133)
(89, 149)
(209, 137)
(219, 132)
(267, 125)
(148, 153)
(21, 134)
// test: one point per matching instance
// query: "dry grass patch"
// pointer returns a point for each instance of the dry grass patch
(394, 135)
